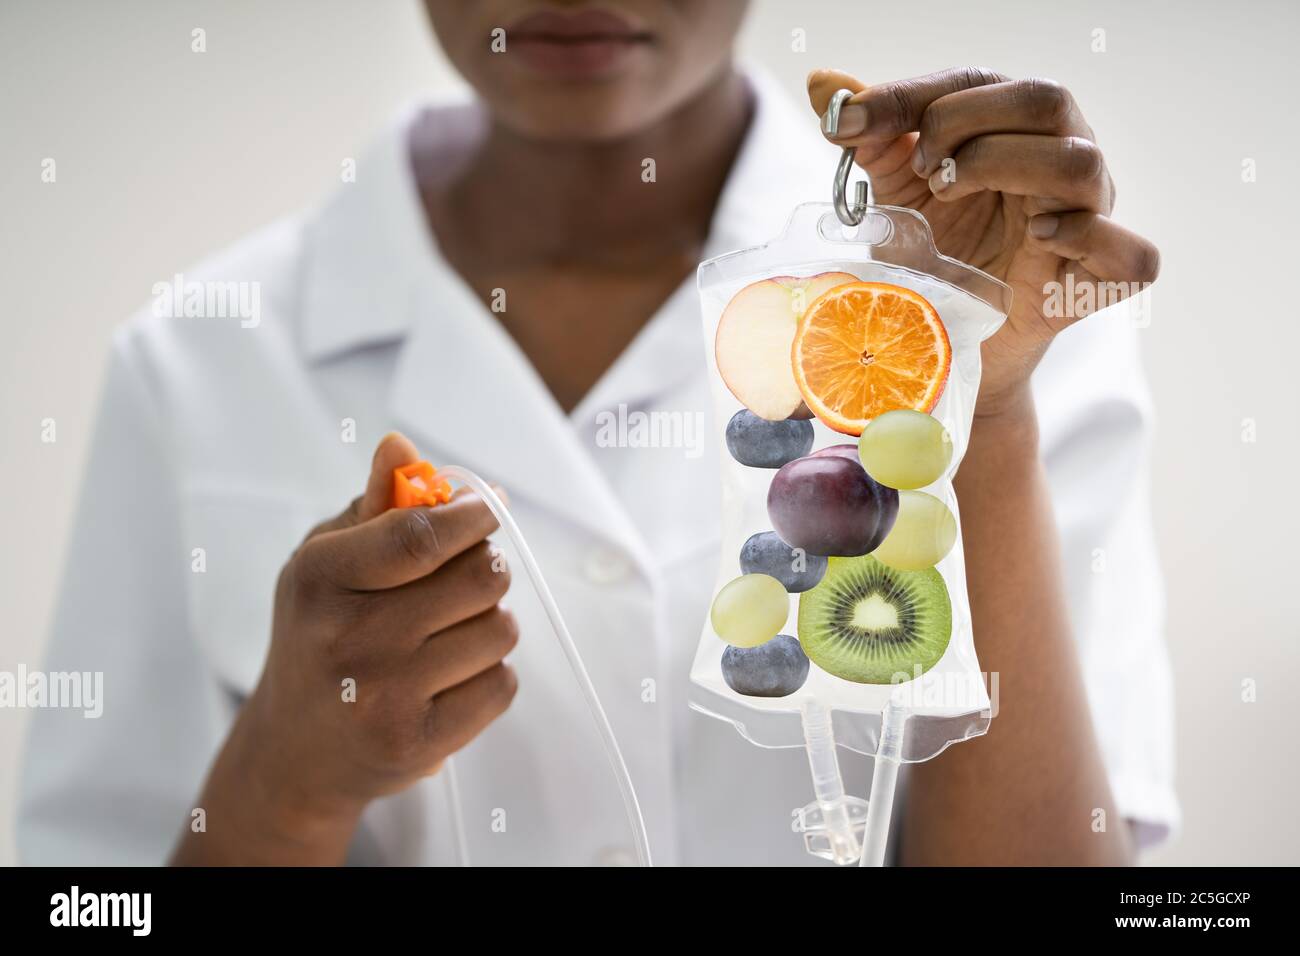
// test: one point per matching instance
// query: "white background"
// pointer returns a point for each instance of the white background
(164, 155)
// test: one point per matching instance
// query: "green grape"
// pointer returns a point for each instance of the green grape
(905, 449)
(923, 533)
(750, 610)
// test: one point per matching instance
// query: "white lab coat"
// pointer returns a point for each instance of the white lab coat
(233, 440)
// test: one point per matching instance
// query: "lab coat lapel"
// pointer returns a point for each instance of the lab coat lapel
(458, 369)
(464, 387)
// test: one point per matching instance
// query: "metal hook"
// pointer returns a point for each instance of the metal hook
(853, 215)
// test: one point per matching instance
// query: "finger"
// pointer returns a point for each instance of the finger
(1062, 173)
(393, 451)
(398, 546)
(1016, 106)
(823, 84)
(456, 654)
(885, 162)
(471, 583)
(1102, 246)
(459, 714)
(889, 110)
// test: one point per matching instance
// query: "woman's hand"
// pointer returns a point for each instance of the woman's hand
(1026, 198)
(386, 657)
(1011, 181)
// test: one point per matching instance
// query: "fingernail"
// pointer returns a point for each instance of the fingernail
(1044, 227)
(937, 181)
(918, 160)
(853, 120)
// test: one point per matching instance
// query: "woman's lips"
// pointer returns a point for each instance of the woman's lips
(575, 45)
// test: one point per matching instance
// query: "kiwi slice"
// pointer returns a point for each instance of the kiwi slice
(866, 621)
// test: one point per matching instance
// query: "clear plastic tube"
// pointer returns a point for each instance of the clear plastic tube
(828, 785)
(616, 762)
(880, 802)
(457, 816)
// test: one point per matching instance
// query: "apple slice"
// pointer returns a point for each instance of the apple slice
(755, 335)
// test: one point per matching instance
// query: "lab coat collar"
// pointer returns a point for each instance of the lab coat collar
(461, 388)
(362, 250)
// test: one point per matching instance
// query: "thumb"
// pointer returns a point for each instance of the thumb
(822, 85)
(885, 160)
(393, 451)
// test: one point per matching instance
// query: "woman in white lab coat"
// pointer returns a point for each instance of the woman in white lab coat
(498, 274)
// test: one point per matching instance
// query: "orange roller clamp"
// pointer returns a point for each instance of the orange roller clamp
(419, 484)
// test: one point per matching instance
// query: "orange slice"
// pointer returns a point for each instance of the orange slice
(866, 348)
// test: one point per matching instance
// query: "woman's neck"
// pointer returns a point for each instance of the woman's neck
(499, 197)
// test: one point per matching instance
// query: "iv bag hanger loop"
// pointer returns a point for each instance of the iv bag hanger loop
(849, 215)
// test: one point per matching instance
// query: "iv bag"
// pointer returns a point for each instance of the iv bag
(853, 615)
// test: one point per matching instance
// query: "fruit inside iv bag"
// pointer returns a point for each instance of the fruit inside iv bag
(845, 367)
(851, 534)
(750, 610)
(776, 668)
(905, 449)
(760, 443)
(843, 350)
(923, 533)
(828, 505)
(754, 336)
(867, 622)
(866, 348)
(796, 569)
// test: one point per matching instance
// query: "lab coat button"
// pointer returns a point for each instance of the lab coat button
(606, 566)
(614, 856)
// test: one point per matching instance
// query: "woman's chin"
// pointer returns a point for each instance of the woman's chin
(577, 112)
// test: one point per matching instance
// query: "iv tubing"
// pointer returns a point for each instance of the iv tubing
(827, 783)
(457, 816)
(507, 522)
(880, 802)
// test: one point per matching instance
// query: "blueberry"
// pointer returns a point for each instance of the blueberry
(759, 443)
(777, 668)
(766, 553)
